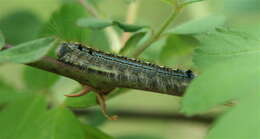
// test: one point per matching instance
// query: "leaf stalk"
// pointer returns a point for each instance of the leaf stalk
(157, 35)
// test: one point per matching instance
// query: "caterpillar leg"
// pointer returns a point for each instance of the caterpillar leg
(83, 92)
(102, 103)
(100, 99)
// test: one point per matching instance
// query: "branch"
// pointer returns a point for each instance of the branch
(52, 65)
(151, 115)
(55, 66)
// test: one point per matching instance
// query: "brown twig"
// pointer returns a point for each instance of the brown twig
(55, 66)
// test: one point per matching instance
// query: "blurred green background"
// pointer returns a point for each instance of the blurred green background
(22, 20)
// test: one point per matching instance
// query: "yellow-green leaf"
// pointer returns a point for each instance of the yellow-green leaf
(221, 83)
(94, 23)
(27, 52)
(239, 123)
(198, 26)
(224, 44)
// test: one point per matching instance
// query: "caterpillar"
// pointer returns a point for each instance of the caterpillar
(116, 71)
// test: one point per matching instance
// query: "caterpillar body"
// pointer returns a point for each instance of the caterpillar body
(118, 71)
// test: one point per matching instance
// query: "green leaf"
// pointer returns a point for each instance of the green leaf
(153, 53)
(94, 23)
(239, 123)
(18, 119)
(36, 79)
(187, 2)
(228, 80)
(222, 45)
(93, 133)
(27, 52)
(128, 27)
(139, 136)
(62, 23)
(101, 42)
(240, 8)
(171, 2)
(4, 91)
(20, 26)
(2, 40)
(148, 34)
(136, 40)
(230, 61)
(34, 121)
(182, 2)
(9, 94)
(177, 50)
(96, 118)
(92, 2)
(60, 123)
(132, 42)
(129, 1)
(198, 26)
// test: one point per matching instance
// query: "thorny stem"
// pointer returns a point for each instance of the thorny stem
(157, 35)
(112, 35)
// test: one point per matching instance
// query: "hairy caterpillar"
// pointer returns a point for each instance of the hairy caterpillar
(119, 71)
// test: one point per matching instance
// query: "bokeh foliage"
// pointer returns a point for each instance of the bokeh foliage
(223, 49)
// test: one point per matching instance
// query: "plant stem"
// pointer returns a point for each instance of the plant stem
(130, 19)
(89, 8)
(155, 115)
(157, 35)
(55, 66)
